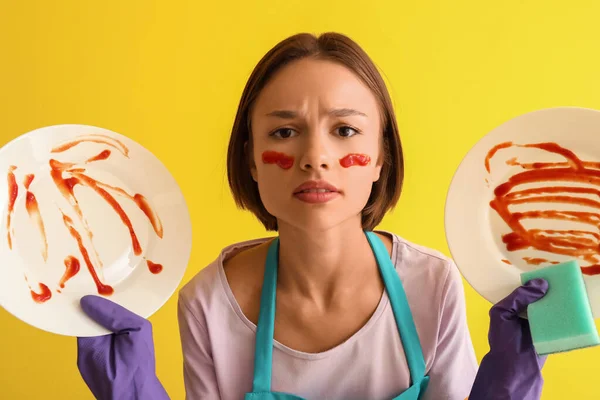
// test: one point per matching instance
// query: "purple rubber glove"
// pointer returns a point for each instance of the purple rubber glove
(120, 365)
(512, 369)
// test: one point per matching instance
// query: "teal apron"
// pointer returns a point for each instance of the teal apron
(263, 357)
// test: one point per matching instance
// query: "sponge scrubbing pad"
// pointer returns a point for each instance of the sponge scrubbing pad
(562, 320)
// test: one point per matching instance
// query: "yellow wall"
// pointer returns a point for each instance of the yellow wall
(169, 74)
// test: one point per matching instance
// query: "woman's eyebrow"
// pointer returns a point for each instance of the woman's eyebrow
(335, 112)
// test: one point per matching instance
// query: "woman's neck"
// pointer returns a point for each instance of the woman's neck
(324, 266)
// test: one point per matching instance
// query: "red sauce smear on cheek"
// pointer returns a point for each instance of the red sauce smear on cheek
(13, 192)
(153, 267)
(355, 159)
(72, 268)
(282, 160)
(42, 297)
(572, 243)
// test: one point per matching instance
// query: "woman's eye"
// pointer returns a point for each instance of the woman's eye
(346, 131)
(284, 133)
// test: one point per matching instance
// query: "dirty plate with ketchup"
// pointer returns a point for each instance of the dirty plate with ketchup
(87, 211)
(526, 196)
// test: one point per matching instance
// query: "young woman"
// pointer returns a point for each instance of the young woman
(328, 308)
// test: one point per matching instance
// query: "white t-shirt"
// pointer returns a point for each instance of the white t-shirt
(218, 340)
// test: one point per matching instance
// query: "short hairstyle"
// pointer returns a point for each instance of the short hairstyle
(329, 46)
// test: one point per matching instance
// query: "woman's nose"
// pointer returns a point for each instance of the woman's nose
(316, 155)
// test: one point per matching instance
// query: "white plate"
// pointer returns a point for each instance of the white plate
(475, 231)
(118, 261)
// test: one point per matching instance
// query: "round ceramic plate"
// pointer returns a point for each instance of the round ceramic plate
(526, 196)
(87, 211)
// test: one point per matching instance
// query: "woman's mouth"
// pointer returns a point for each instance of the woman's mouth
(315, 192)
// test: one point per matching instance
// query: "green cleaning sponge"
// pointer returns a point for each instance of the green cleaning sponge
(561, 320)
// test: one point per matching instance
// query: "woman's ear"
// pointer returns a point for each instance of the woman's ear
(251, 163)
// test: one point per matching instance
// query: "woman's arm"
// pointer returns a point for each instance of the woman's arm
(198, 367)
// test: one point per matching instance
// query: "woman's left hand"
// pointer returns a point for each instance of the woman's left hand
(512, 368)
(119, 365)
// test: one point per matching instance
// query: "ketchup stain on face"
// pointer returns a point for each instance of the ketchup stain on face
(72, 268)
(573, 243)
(102, 288)
(282, 160)
(13, 192)
(33, 210)
(355, 159)
(42, 297)
(153, 267)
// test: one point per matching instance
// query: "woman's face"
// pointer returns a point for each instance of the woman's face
(316, 136)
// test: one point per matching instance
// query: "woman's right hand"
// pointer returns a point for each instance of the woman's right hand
(120, 365)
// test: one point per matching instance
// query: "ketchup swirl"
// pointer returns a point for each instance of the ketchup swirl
(582, 244)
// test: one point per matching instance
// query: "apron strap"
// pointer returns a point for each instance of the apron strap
(263, 353)
(401, 309)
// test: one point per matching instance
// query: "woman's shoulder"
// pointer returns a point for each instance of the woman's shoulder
(214, 282)
(420, 263)
(409, 254)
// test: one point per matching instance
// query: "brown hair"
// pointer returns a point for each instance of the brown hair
(343, 50)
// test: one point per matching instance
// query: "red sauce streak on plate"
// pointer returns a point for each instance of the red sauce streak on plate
(536, 165)
(143, 204)
(572, 243)
(27, 180)
(153, 267)
(66, 188)
(96, 138)
(506, 262)
(282, 160)
(355, 159)
(42, 297)
(13, 192)
(93, 184)
(102, 288)
(493, 151)
(33, 210)
(72, 268)
(101, 156)
(538, 261)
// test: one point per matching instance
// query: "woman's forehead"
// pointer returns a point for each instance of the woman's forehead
(309, 82)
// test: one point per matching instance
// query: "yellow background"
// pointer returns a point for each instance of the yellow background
(169, 74)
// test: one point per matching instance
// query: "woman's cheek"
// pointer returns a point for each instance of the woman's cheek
(282, 160)
(355, 159)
